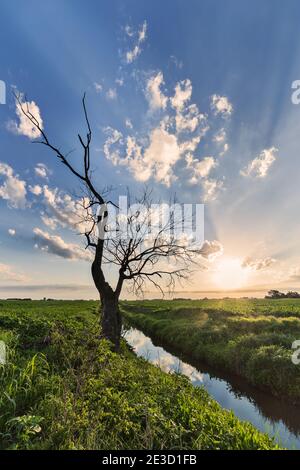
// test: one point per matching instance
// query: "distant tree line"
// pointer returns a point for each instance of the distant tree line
(276, 294)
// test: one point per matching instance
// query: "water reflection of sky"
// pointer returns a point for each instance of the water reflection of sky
(219, 389)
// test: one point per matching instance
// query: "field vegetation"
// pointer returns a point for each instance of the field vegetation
(250, 338)
(63, 388)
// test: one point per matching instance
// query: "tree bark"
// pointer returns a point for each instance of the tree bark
(111, 322)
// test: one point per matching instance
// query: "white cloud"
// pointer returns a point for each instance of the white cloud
(12, 232)
(258, 264)
(156, 159)
(183, 93)
(157, 100)
(142, 32)
(54, 244)
(171, 136)
(211, 249)
(42, 170)
(166, 142)
(129, 30)
(133, 54)
(111, 94)
(260, 166)
(190, 144)
(190, 119)
(156, 152)
(24, 126)
(220, 136)
(220, 139)
(162, 153)
(50, 222)
(114, 137)
(225, 149)
(211, 189)
(199, 168)
(98, 87)
(36, 189)
(13, 189)
(221, 105)
(62, 210)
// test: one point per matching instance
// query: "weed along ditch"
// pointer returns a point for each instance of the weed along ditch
(277, 418)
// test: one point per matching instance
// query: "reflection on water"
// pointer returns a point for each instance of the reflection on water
(266, 413)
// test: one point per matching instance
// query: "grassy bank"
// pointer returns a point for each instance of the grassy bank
(250, 338)
(62, 388)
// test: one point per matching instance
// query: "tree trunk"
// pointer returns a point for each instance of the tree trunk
(111, 321)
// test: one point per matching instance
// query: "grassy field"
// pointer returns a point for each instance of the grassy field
(250, 338)
(62, 388)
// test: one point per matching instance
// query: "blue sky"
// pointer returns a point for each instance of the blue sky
(233, 64)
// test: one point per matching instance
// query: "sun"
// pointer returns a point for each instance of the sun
(230, 274)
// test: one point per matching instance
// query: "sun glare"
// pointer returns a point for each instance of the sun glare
(230, 274)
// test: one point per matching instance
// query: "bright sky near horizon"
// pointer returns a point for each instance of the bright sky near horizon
(190, 97)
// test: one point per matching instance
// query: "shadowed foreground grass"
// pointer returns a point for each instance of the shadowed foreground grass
(64, 389)
(250, 338)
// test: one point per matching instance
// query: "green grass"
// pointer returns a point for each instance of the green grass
(250, 338)
(62, 388)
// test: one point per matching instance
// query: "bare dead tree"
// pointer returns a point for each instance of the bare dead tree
(140, 248)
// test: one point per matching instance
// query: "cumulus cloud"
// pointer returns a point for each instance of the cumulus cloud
(220, 139)
(211, 249)
(190, 144)
(110, 148)
(157, 159)
(258, 264)
(183, 93)
(23, 126)
(190, 119)
(170, 138)
(199, 168)
(260, 166)
(220, 136)
(162, 153)
(55, 245)
(12, 232)
(42, 171)
(50, 222)
(221, 105)
(62, 209)
(36, 189)
(140, 37)
(13, 189)
(156, 98)
(225, 149)
(178, 132)
(211, 189)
